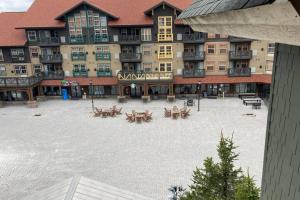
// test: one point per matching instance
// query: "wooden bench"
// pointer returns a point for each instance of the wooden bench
(251, 101)
(247, 94)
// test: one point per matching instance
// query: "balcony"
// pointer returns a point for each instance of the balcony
(239, 39)
(129, 39)
(78, 56)
(135, 77)
(196, 73)
(77, 39)
(18, 59)
(193, 56)
(100, 38)
(130, 57)
(193, 38)
(239, 72)
(80, 73)
(103, 56)
(20, 81)
(53, 41)
(54, 75)
(165, 37)
(104, 73)
(48, 59)
(240, 55)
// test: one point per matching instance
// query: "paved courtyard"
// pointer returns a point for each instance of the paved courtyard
(38, 152)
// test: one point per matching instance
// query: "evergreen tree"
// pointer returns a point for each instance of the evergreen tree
(246, 189)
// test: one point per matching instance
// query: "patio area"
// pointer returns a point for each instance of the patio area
(44, 146)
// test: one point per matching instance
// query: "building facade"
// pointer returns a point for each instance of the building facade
(114, 48)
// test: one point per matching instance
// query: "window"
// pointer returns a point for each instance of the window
(147, 50)
(165, 51)
(32, 36)
(102, 49)
(210, 66)
(79, 67)
(165, 32)
(77, 49)
(102, 67)
(271, 48)
(211, 49)
(147, 67)
(1, 55)
(222, 66)
(165, 67)
(242, 64)
(223, 49)
(37, 69)
(17, 55)
(34, 52)
(2, 70)
(20, 69)
(146, 34)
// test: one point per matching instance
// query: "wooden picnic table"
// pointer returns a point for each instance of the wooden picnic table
(175, 113)
(241, 95)
(252, 101)
(139, 117)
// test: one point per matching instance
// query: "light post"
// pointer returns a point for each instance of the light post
(92, 94)
(199, 92)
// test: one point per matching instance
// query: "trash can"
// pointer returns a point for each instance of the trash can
(65, 94)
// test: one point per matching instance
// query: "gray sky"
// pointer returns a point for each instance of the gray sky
(14, 5)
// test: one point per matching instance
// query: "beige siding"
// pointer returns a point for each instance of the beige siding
(216, 59)
(259, 62)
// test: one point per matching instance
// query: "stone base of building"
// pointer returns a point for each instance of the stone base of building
(146, 99)
(121, 99)
(41, 98)
(32, 104)
(171, 98)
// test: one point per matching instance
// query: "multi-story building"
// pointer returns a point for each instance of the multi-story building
(123, 48)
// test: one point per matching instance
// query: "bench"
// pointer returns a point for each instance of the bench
(251, 101)
(256, 106)
(212, 97)
(241, 95)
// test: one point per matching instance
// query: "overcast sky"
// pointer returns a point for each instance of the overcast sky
(14, 5)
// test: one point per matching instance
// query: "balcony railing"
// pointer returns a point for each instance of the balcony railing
(103, 56)
(124, 76)
(49, 41)
(189, 56)
(80, 73)
(20, 81)
(239, 72)
(104, 73)
(56, 58)
(164, 37)
(100, 38)
(239, 39)
(78, 56)
(196, 73)
(130, 57)
(193, 38)
(240, 55)
(129, 39)
(77, 39)
(54, 75)
(18, 59)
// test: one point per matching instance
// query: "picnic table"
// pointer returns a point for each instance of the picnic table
(241, 95)
(252, 101)
(256, 106)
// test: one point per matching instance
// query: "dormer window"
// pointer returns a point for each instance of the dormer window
(32, 36)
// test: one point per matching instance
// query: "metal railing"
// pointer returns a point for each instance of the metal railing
(196, 73)
(239, 72)
(144, 76)
(194, 56)
(56, 58)
(129, 38)
(49, 41)
(193, 37)
(103, 56)
(20, 81)
(54, 75)
(240, 55)
(78, 56)
(104, 73)
(18, 59)
(77, 39)
(80, 73)
(130, 57)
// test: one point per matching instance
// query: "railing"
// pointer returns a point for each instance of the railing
(164, 37)
(239, 39)
(18, 59)
(144, 76)
(196, 73)
(103, 56)
(77, 39)
(20, 81)
(194, 37)
(104, 73)
(78, 56)
(129, 38)
(239, 72)
(240, 55)
(49, 41)
(56, 58)
(99, 38)
(82, 73)
(189, 56)
(130, 57)
(54, 75)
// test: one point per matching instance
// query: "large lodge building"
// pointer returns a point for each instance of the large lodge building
(123, 48)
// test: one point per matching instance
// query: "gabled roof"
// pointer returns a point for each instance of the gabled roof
(84, 188)
(43, 13)
(161, 4)
(9, 36)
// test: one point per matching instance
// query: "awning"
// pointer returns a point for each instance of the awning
(83, 81)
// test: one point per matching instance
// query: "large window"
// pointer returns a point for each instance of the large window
(1, 55)
(17, 52)
(103, 67)
(2, 70)
(223, 48)
(146, 34)
(147, 67)
(165, 67)
(271, 48)
(32, 36)
(165, 51)
(20, 69)
(102, 49)
(222, 66)
(165, 32)
(34, 52)
(210, 66)
(37, 69)
(79, 67)
(147, 50)
(211, 49)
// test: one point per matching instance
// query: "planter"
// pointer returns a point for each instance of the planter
(171, 98)
(146, 99)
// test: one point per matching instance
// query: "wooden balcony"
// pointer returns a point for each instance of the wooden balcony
(196, 73)
(20, 81)
(195, 56)
(194, 38)
(240, 55)
(134, 77)
(48, 59)
(130, 57)
(239, 72)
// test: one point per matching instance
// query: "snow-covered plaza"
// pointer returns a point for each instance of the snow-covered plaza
(37, 152)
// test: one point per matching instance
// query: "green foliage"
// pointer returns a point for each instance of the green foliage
(222, 181)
